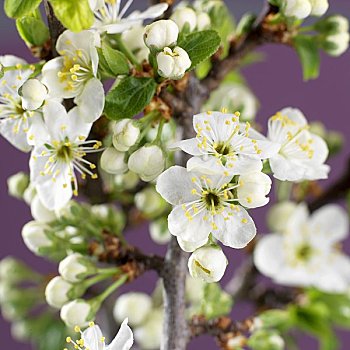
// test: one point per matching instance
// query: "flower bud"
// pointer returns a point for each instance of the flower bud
(134, 37)
(75, 267)
(39, 212)
(127, 181)
(203, 21)
(173, 64)
(112, 161)
(183, 16)
(335, 45)
(319, 7)
(14, 271)
(35, 238)
(159, 231)
(59, 291)
(148, 335)
(77, 313)
(253, 188)
(149, 202)
(100, 210)
(5, 290)
(29, 193)
(125, 134)
(148, 162)
(33, 93)
(297, 8)
(278, 215)
(207, 263)
(332, 25)
(266, 340)
(160, 34)
(21, 331)
(17, 184)
(134, 306)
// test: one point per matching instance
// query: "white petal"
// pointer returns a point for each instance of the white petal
(76, 127)
(19, 140)
(37, 132)
(191, 246)
(189, 146)
(120, 27)
(124, 339)
(209, 166)
(175, 186)
(55, 116)
(152, 12)
(92, 337)
(237, 230)
(91, 101)
(285, 169)
(320, 149)
(70, 41)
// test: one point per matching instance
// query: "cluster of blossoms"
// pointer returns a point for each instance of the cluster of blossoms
(224, 178)
(304, 8)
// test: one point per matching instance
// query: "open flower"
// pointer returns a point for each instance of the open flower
(307, 254)
(73, 73)
(302, 154)
(222, 147)
(109, 15)
(92, 338)
(16, 122)
(203, 205)
(57, 157)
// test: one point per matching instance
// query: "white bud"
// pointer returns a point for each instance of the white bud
(57, 292)
(173, 64)
(253, 189)
(75, 267)
(29, 193)
(319, 7)
(5, 290)
(134, 306)
(203, 21)
(279, 214)
(77, 313)
(160, 34)
(34, 236)
(190, 247)
(128, 180)
(185, 15)
(159, 231)
(20, 330)
(208, 264)
(134, 37)
(148, 162)
(297, 8)
(112, 161)
(100, 210)
(338, 44)
(142, 54)
(150, 202)
(341, 22)
(148, 335)
(33, 93)
(125, 134)
(17, 184)
(40, 213)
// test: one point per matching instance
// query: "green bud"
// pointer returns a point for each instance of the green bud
(335, 142)
(332, 25)
(14, 271)
(274, 318)
(266, 340)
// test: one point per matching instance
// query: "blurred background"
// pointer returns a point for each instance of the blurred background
(277, 83)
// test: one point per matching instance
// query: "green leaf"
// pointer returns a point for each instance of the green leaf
(308, 52)
(20, 8)
(32, 30)
(75, 15)
(113, 62)
(200, 45)
(130, 97)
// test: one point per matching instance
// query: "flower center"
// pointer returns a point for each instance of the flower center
(223, 148)
(64, 152)
(304, 252)
(211, 200)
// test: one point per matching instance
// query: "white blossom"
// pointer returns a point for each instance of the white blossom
(34, 237)
(183, 16)
(279, 214)
(161, 34)
(33, 93)
(173, 63)
(306, 254)
(319, 7)
(205, 204)
(73, 73)
(110, 17)
(17, 125)
(302, 154)
(57, 158)
(113, 161)
(57, 292)
(125, 134)
(224, 146)
(134, 306)
(40, 213)
(77, 313)
(147, 162)
(207, 263)
(297, 8)
(337, 44)
(75, 267)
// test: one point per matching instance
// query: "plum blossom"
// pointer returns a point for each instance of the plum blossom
(302, 154)
(92, 338)
(109, 16)
(223, 146)
(58, 156)
(17, 123)
(205, 204)
(307, 253)
(73, 73)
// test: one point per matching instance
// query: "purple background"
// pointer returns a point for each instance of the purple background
(277, 83)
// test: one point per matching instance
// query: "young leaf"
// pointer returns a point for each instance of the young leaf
(20, 8)
(75, 15)
(308, 52)
(32, 30)
(129, 98)
(116, 60)
(200, 45)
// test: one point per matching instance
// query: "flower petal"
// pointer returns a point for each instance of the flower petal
(189, 146)
(124, 339)
(93, 338)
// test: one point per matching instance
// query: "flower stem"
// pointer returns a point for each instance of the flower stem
(112, 288)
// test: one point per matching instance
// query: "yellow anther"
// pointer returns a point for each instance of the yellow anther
(244, 221)
(237, 114)
(68, 339)
(94, 176)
